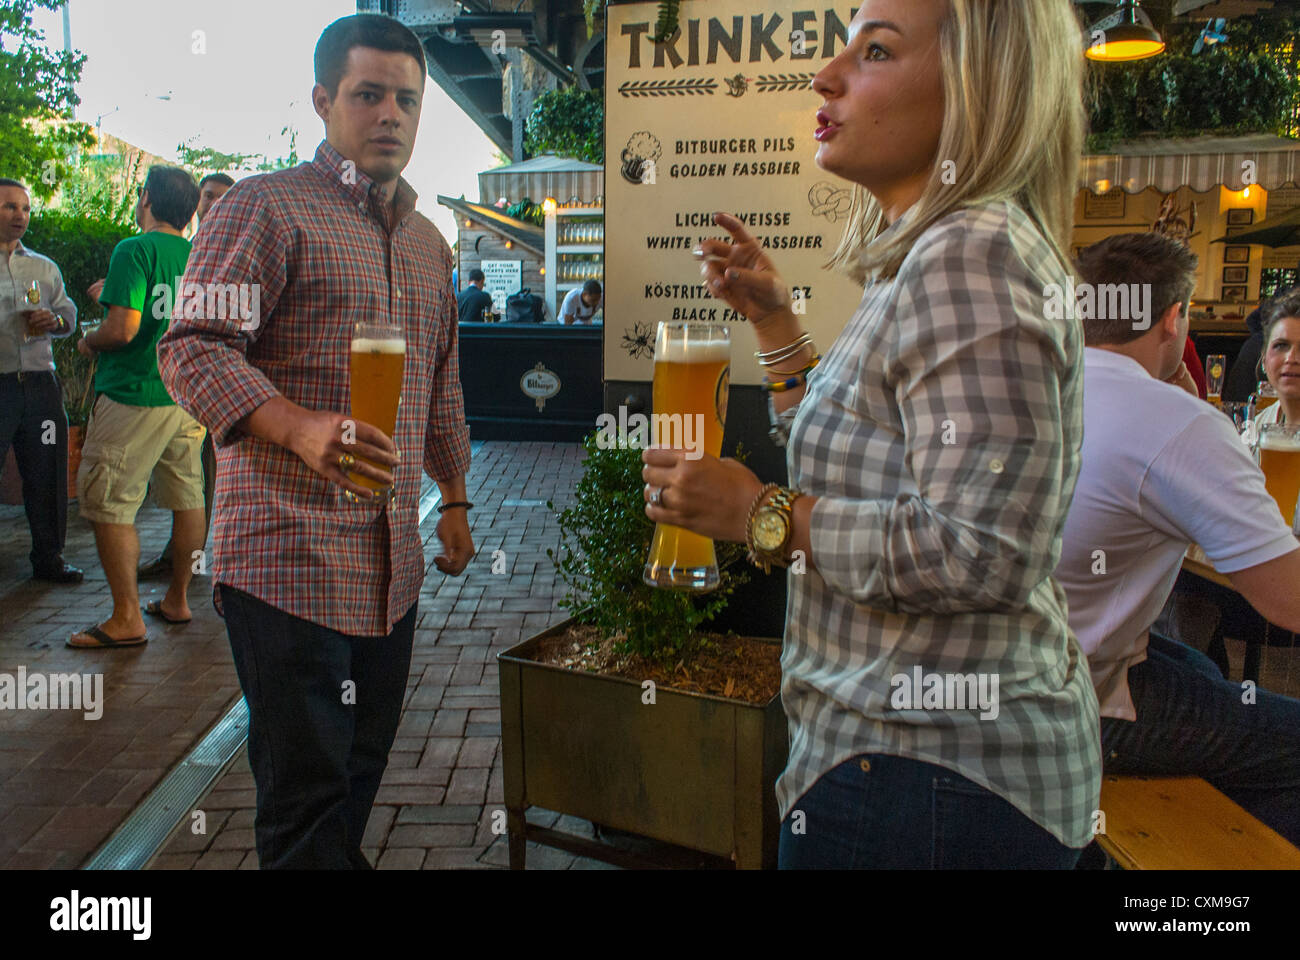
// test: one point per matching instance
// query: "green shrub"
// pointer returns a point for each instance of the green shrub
(569, 123)
(81, 247)
(605, 539)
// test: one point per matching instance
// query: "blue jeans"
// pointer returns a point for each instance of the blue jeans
(317, 760)
(882, 812)
(1192, 722)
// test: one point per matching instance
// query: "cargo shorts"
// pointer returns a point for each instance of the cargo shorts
(128, 446)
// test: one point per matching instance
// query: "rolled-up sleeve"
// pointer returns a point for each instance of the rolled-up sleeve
(446, 437)
(977, 371)
(203, 356)
(61, 304)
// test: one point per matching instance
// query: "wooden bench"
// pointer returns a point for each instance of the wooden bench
(1183, 823)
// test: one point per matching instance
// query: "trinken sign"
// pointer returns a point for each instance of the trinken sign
(718, 117)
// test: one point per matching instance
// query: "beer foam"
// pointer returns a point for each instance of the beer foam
(1280, 441)
(677, 349)
(378, 346)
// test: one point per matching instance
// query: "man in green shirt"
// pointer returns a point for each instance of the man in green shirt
(137, 433)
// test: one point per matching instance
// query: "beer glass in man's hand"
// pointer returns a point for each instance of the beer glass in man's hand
(740, 274)
(39, 323)
(691, 385)
(378, 361)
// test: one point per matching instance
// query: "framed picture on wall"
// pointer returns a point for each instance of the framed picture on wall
(1234, 294)
(1241, 217)
(1236, 274)
(1235, 231)
(1236, 254)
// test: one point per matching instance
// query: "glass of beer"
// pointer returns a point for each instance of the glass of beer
(692, 379)
(378, 361)
(1265, 397)
(32, 294)
(1216, 366)
(1279, 457)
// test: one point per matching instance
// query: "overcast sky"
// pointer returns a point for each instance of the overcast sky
(254, 79)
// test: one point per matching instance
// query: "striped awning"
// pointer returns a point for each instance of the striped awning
(542, 177)
(1200, 163)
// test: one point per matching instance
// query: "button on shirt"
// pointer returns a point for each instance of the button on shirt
(1161, 470)
(941, 433)
(20, 268)
(319, 250)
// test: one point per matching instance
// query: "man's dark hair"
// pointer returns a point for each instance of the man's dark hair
(220, 178)
(1165, 265)
(173, 195)
(592, 287)
(476, 276)
(6, 182)
(1285, 304)
(361, 30)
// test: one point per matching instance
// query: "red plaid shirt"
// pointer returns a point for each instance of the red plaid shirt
(319, 247)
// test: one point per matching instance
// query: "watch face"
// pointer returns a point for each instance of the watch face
(769, 529)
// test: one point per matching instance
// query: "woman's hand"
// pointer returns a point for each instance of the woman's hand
(707, 496)
(745, 278)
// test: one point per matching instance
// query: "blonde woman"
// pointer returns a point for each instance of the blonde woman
(940, 711)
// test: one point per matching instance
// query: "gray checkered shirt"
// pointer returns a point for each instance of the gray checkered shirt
(942, 434)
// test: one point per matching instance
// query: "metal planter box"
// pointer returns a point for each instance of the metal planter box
(693, 770)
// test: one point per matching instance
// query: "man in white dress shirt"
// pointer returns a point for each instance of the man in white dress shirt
(1162, 470)
(32, 419)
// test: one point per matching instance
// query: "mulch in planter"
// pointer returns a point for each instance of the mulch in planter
(739, 668)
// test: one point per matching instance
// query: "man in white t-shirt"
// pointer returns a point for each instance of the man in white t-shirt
(1160, 470)
(582, 304)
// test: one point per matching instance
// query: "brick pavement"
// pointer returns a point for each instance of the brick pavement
(434, 808)
(67, 782)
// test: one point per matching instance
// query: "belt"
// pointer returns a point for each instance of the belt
(23, 375)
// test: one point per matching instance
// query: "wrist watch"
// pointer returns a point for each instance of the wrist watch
(770, 528)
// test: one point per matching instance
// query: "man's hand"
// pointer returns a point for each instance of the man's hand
(95, 289)
(457, 544)
(1182, 378)
(320, 440)
(40, 322)
(85, 349)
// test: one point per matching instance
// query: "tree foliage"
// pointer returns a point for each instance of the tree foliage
(38, 135)
(569, 123)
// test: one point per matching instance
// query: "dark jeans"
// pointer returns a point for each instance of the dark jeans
(1192, 722)
(881, 812)
(317, 755)
(26, 407)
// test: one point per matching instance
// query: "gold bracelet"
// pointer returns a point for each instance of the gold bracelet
(817, 358)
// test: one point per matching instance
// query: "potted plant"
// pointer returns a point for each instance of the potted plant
(626, 714)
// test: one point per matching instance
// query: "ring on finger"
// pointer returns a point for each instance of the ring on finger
(656, 496)
(347, 462)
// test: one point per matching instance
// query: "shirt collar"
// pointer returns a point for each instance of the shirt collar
(1097, 357)
(359, 188)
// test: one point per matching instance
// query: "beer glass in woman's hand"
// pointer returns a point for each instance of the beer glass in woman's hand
(740, 274)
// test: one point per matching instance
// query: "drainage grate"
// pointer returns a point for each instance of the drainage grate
(150, 824)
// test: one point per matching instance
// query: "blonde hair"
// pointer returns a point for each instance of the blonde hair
(1013, 125)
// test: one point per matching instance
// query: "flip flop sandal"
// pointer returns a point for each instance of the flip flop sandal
(103, 640)
(154, 609)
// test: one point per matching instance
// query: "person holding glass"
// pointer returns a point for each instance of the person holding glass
(932, 451)
(318, 555)
(34, 311)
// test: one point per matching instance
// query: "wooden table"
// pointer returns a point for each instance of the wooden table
(1198, 563)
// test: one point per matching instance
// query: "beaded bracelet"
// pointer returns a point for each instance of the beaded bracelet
(800, 378)
(459, 503)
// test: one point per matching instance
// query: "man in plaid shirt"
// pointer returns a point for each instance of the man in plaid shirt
(317, 578)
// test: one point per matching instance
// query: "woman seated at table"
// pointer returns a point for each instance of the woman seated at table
(1281, 358)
